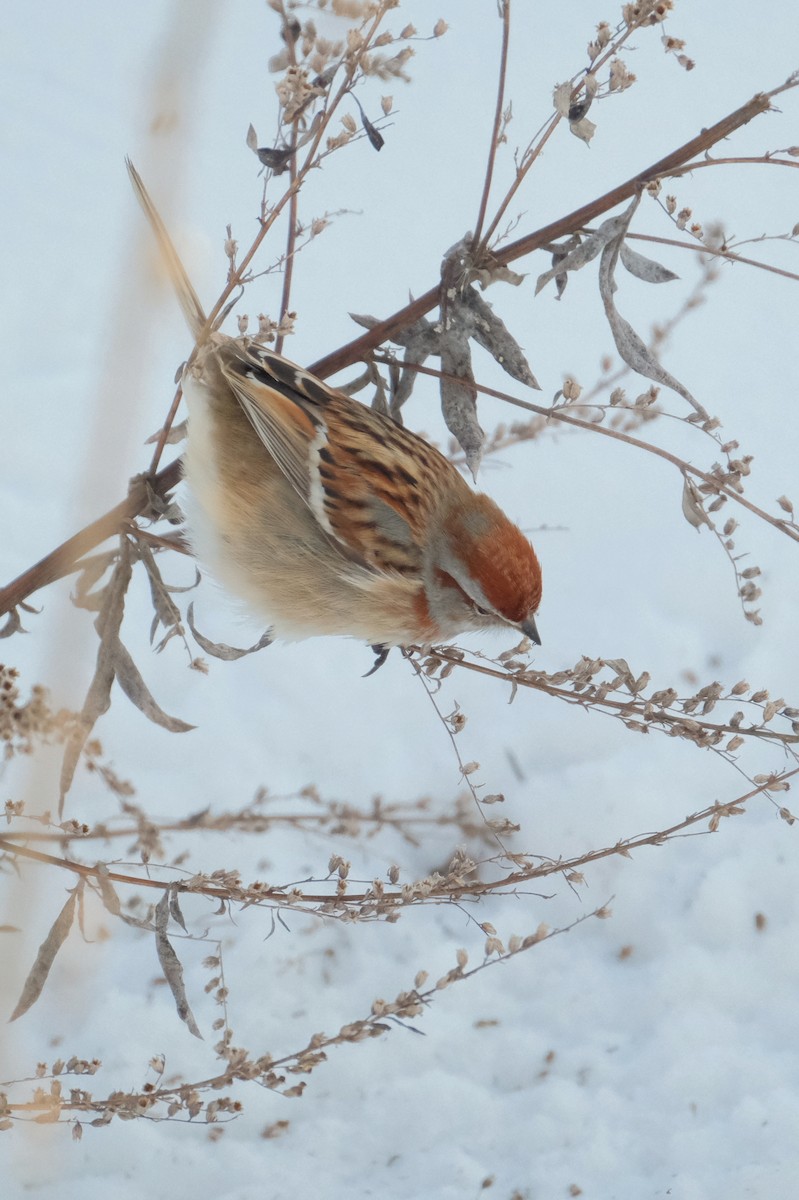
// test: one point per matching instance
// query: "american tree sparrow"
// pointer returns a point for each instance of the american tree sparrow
(327, 518)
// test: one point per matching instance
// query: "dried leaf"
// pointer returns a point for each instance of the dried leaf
(374, 135)
(47, 951)
(171, 966)
(499, 273)
(174, 909)
(176, 589)
(130, 680)
(98, 697)
(92, 570)
(108, 893)
(622, 668)
(559, 253)
(692, 505)
(630, 346)
(364, 319)
(82, 914)
(490, 332)
(178, 432)
(584, 129)
(585, 251)
(167, 612)
(12, 624)
(220, 649)
(420, 341)
(562, 98)
(459, 397)
(643, 267)
(276, 158)
(578, 108)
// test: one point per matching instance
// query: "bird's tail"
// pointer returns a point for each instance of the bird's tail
(187, 297)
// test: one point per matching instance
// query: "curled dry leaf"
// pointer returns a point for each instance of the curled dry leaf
(91, 572)
(420, 341)
(12, 624)
(630, 346)
(167, 612)
(584, 252)
(559, 253)
(220, 649)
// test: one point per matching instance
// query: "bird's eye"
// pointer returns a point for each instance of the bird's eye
(484, 612)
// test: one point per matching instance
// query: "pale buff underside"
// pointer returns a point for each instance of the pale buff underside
(252, 531)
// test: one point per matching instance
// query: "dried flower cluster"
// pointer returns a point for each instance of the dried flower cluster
(22, 725)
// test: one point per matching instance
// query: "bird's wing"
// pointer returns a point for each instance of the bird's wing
(275, 404)
(367, 481)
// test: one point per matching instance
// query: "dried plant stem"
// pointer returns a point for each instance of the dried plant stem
(291, 234)
(163, 433)
(291, 242)
(264, 1070)
(429, 688)
(325, 904)
(494, 145)
(62, 560)
(761, 160)
(237, 279)
(256, 823)
(533, 151)
(537, 681)
(682, 466)
(715, 251)
(361, 346)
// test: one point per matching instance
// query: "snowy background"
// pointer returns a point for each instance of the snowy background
(652, 1054)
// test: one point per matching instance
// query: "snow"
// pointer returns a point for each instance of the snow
(649, 1054)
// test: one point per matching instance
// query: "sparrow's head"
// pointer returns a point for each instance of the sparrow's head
(482, 572)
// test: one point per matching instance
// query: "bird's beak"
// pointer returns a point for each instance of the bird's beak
(529, 629)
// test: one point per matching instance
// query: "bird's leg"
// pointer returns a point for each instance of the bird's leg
(381, 654)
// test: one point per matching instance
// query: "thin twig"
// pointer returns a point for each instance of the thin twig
(684, 467)
(291, 243)
(716, 251)
(436, 893)
(532, 154)
(492, 150)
